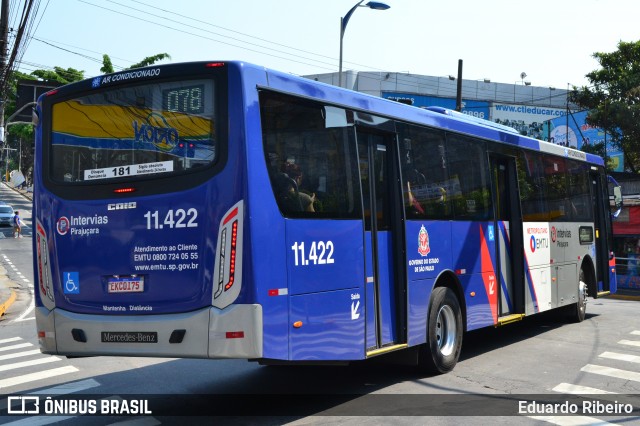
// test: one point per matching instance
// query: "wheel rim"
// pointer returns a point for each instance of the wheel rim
(582, 296)
(446, 330)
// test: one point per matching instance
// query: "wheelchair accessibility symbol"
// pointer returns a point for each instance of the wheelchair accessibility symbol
(71, 282)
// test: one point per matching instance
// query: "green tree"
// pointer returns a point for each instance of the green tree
(613, 100)
(150, 60)
(107, 65)
(60, 75)
(595, 148)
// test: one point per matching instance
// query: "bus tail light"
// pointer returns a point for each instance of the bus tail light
(227, 276)
(125, 190)
(44, 268)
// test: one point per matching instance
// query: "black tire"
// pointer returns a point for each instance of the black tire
(444, 333)
(579, 310)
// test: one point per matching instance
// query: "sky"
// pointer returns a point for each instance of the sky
(552, 41)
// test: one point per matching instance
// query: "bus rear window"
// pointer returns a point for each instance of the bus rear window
(134, 132)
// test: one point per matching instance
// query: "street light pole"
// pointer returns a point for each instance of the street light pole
(5, 132)
(343, 25)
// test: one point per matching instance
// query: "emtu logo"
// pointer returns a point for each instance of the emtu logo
(538, 243)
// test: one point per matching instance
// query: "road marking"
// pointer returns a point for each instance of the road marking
(611, 372)
(63, 389)
(68, 388)
(22, 316)
(571, 420)
(21, 364)
(11, 339)
(20, 354)
(635, 332)
(629, 342)
(26, 378)
(620, 357)
(18, 346)
(578, 390)
(26, 280)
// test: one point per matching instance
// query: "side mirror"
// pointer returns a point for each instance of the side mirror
(617, 196)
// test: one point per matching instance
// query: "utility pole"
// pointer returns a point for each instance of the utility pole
(4, 49)
(459, 87)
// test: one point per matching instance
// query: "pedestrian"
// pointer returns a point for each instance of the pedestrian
(17, 225)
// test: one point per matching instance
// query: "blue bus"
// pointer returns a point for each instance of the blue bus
(224, 210)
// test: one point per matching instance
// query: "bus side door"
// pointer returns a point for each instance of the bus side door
(510, 265)
(385, 285)
(602, 231)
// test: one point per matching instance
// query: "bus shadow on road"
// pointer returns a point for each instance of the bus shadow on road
(485, 340)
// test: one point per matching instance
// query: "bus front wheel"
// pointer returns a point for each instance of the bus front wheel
(444, 333)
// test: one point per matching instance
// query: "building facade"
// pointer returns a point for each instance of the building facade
(519, 105)
(540, 112)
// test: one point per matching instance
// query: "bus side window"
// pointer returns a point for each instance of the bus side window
(555, 180)
(469, 178)
(424, 173)
(531, 185)
(311, 166)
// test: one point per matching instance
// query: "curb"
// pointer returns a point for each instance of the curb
(5, 305)
(623, 297)
(7, 294)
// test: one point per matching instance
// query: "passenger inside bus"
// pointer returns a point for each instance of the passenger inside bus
(289, 189)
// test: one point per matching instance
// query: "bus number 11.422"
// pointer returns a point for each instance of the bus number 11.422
(315, 256)
(178, 218)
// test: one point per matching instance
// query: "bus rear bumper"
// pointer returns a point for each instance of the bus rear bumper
(233, 332)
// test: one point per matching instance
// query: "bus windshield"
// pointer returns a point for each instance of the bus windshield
(134, 131)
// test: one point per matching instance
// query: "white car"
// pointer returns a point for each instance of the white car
(6, 215)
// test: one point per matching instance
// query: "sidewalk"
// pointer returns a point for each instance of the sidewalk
(25, 192)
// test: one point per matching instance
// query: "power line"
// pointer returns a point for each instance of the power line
(228, 29)
(323, 64)
(164, 26)
(67, 50)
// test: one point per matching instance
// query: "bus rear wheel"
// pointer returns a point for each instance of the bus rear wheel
(444, 333)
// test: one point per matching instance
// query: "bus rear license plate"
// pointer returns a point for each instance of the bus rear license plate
(129, 337)
(125, 285)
